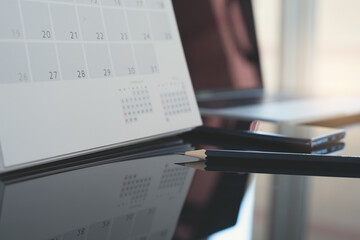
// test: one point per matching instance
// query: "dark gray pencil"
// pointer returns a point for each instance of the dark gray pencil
(237, 155)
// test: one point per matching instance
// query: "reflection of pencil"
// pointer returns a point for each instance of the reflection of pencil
(202, 166)
(236, 157)
(299, 168)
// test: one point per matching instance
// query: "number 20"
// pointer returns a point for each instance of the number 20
(46, 34)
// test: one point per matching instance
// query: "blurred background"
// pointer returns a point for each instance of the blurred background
(312, 46)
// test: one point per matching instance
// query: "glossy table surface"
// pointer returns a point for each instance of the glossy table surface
(140, 192)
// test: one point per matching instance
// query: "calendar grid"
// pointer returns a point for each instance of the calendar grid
(97, 5)
(131, 45)
(65, 41)
(81, 38)
(107, 38)
(55, 44)
(30, 79)
(152, 35)
(140, 56)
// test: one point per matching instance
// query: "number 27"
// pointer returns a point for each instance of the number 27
(53, 75)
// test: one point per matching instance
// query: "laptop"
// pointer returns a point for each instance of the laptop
(221, 49)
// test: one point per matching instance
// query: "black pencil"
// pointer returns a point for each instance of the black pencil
(215, 157)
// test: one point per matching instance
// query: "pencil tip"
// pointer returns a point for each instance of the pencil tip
(181, 164)
(180, 154)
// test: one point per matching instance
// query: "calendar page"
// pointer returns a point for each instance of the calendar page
(83, 75)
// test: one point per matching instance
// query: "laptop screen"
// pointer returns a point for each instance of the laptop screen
(220, 44)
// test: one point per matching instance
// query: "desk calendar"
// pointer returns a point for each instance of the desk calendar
(83, 75)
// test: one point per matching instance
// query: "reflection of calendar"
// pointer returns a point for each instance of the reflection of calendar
(139, 199)
(83, 74)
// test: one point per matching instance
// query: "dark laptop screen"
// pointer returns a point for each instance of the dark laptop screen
(220, 43)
